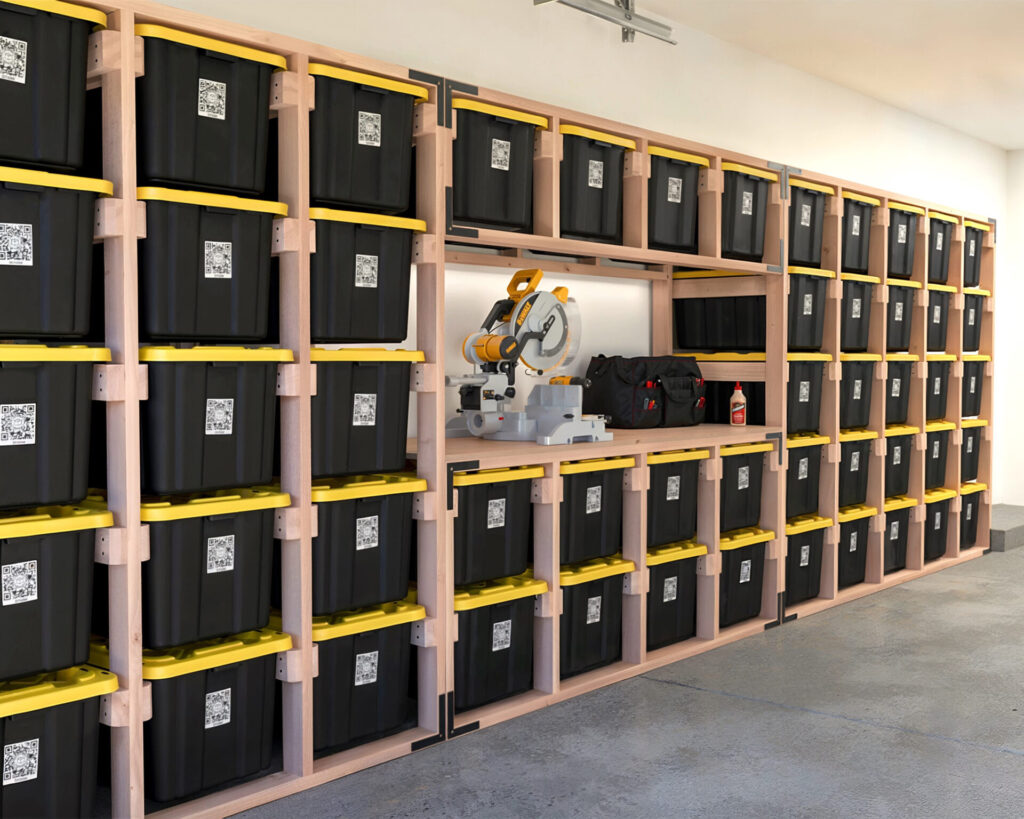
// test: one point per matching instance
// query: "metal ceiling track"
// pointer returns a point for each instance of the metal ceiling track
(621, 12)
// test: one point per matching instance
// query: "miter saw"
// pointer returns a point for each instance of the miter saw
(541, 330)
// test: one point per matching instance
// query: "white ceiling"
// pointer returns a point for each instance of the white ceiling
(957, 62)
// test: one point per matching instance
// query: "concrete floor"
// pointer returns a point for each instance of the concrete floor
(904, 703)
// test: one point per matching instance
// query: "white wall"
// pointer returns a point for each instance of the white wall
(703, 89)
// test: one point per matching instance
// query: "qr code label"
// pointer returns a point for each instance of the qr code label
(897, 386)
(743, 477)
(970, 316)
(803, 469)
(935, 449)
(973, 383)
(220, 416)
(808, 304)
(937, 314)
(671, 590)
(367, 532)
(218, 708)
(894, 530)
(593, 610)
(675, 190)
(369, 129)
(901, 234)
(897, 311)
(13, 60)
(897, 455)
(19, 583)
(15, 244)
(501, 636)
(805, 556)
(672, 488)
(745, 571)
(17, 424)
(366, 270)
(366, 668)
(858, 386)
(217, 260)
(805, 216)
(595, 173)
(501, 154)
(855, 308)
(970, 445)
(593, 499)
(937, 385)
(853, 541)
(364, 409)
(747, 208)
(970, 510)
(970, 247)
(21, 762)
(220, 554)
(855, 461)
(938, 521)
(213, 99)
(856, 224)
(938, 240)
(805, 392)
(495, 513)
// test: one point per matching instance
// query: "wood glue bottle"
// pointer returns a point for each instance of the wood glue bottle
(738, 407)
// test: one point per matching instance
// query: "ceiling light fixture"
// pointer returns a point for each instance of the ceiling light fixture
(622, 13)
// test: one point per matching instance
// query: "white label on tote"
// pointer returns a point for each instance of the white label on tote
(970, 316)
(937, 314)
(675, 190)
(857, 385)
(17, 424)
(896, 384)
(938, 240)
(19, 583)
(855, 461)
(15, 244)
(501, 153)
(743, 477)
(593, 499)
(970, 445)
(897, 455)
(856, 224)
(970, 510)
(595, 173)
(974, 381)
(369, 129)
(935, 449)
(747, 209)
(808, 304)
(364, 409)
(21, 762)
(937, 388)
(217, 260)
(366, 668)
(970, 247)
(805, 392)
(213, 99)
(218, 708)
(894, 530)
(745, 571)
(938, 521)
(220, 554)
(802, 469)
(670, 591)
(501, 635)
(805, 556)
(853, 541)
(220, 414)
(897, 311)
(593, 610)
(13, 60)
(366, 270)
(496, 513)
(367, 532)
(805, 216)
(855, 308)
(672, 488)
(901, 234)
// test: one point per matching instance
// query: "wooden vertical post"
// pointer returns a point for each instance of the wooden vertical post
(636, 585)
(547, 498)
(709, 566)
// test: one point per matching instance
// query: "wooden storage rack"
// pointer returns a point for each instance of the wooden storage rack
(117, 58)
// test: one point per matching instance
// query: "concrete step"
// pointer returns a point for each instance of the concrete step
(1007, 527)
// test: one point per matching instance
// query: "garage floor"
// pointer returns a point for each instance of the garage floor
(909, 702)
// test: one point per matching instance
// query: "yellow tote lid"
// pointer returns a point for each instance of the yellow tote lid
(209, 44)
(811, 271)
(668, 153)
(971, 423)
(976, 291)
(43, 352)
(761, 173)
(902, 357)
(851, 513)
(366, 486)
(500, 111)
(976, 357)
(676, 456)
(936, 495)
(903, 283)
(211, 200)
(746, 449)
(208, 354)
(82, 682)
(675, 551)
(897, 502)
(794, 182)
(860, 277)
(945, 217)
(859, 197)
(224, 502)
(985, 226)
(358, 77)
(595, 570)
(972, 487)
(849, 435)
(709, 274)
(907, 208)
(798, 440)
(894, 430)
(64, 9)
(51, 520)
(806, 523)
(939, 426)
(369, 619)
(598, 136)
(940, 357)
(45, 179)
(364, 355)
(595, 465)
(739, 538)
(504, 590)
(860, 357)
(808, 356)
(372, 219)
(942, 288)
(484, 476)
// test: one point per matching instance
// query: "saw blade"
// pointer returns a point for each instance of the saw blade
(549, 351)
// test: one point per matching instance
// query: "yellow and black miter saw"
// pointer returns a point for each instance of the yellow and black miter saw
(540, 329)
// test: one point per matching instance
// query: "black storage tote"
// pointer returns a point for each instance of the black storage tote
(742, 475)
(936, 453)
(803, 391)
(807, 292)
(672, 199)
(806, 221)
(361, 410)
(591, 183)
(855, 386)
(937, 386)
(736, 323)
(364, 690)
(854, 466)
(805, 540)
(203, 111)
(672, 595)
(974, 240)
(46, 565)
(591, 509)
(672, 496)
(359, 276)
(213, 711)
(899, 450)
(44, 56)
(902, 238)
(939, 240)
(936, 522)
(970, 448)
(745, 210)
(898, 385)
(974, 315)
(46, 251)
(45, 416)
(899, 321)
(855, 324)
(494, 650)
(49, 732)
(854, 523)
(590, 626)
(896, 534)
(970, 509)
(360, 139)
(858, 213)
(205, 266)
(803, 473)
(210, 419)
(973, 384)
(739, 594)
(938, 315)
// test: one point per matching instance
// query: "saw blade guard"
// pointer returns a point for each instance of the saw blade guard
(560, 347)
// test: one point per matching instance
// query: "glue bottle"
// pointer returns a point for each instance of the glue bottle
(738, 407)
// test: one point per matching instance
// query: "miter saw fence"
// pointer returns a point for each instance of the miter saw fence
(540, 329)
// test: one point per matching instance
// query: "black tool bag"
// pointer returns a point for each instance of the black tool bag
(645, 392)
